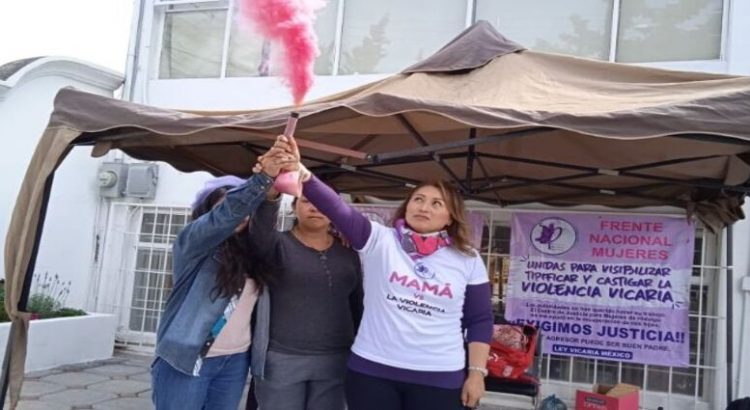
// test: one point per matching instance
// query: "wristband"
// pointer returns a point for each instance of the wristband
(304, 173)
(482, 370)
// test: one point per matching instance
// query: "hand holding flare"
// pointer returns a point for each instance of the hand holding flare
(290, 180)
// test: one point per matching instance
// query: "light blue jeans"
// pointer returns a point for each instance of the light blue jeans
(219, 387)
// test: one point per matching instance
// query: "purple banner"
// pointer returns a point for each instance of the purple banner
(602, 286)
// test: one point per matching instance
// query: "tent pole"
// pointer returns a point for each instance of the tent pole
(624, 171)
(730, 309)
(486, 174)
(604, 192)
(22, 302)
(435, 156)
(591, 169)
(431, 149)
(5, 378)
(712, 138)
(355, 170)
(470, 161)
(425, 158)
(411, 160)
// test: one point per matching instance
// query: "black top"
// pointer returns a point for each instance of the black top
(316, 296)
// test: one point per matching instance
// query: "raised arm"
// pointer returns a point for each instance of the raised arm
(212, 228)
(355, 227)
(262, 233)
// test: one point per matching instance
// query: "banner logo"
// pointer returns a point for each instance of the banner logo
(553, 236)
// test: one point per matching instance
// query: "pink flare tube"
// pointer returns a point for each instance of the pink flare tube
(289, 182)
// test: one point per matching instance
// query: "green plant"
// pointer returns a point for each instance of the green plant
(68, 312)
(48, 298)
(3, 314)
(44, 306)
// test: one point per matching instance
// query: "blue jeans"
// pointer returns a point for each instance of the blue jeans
(219, 387)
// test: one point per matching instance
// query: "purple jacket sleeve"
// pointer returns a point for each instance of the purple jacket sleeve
(477, 319)
(355, 227)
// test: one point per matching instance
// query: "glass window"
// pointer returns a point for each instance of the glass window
(580, 28)
(668, 30)
(161, 227)
(193, 41)
(387, 36)
(151, 288)
(152, 272)
(251, 55)
(325, 28)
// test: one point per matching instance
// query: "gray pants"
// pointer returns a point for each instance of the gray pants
(302, 382)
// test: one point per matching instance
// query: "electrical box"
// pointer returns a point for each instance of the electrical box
(112, 178)
(142, 179)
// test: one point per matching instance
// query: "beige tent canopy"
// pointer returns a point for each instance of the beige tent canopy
(507, 125)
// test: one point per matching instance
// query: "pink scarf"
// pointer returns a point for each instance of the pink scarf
(417, 245)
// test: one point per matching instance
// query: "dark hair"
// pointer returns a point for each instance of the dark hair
(459, 229)
(237, 261)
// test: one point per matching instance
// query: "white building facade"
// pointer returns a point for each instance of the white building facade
(27, 90)
(196, 54)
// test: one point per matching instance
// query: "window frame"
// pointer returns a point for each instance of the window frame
(471, 18)
(160, 16)
(614, 32)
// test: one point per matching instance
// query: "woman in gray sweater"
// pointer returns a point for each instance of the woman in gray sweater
(306, 321)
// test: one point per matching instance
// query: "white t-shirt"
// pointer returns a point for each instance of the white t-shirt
(413, 309)
(235, 336)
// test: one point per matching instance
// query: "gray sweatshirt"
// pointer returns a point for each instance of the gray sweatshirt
(315, 296)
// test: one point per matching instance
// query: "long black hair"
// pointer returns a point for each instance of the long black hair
(237, 261)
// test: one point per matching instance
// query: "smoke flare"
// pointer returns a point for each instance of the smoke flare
(289, 23)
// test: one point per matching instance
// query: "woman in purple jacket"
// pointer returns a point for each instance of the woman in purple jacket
(424, 285)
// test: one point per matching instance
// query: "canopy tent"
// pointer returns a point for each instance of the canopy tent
(507, 125)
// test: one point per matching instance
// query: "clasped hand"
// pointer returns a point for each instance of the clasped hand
(282, 156)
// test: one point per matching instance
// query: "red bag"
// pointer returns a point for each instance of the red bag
(511, 350)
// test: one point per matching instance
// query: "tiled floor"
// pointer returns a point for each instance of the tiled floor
(122, 382)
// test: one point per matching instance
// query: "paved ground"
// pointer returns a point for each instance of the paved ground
(122, 382)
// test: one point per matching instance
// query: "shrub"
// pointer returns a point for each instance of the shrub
(47, 299)
(3, 314)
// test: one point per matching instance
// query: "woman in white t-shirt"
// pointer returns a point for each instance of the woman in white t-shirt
(424, 286)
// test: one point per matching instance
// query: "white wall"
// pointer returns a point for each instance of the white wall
(66, 247)
(242, 93)
(737, 50)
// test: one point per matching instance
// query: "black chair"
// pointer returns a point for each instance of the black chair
(528, 384)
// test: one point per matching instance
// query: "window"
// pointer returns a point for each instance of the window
(250, 55)
(152, 275)
(647, 30)
(152, 283)
(667, 30)
(192, 42)
(195, 36)
(209, 38)
(388, 35)
(580, 28)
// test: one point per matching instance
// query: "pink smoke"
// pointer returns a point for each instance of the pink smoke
(291, 24)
